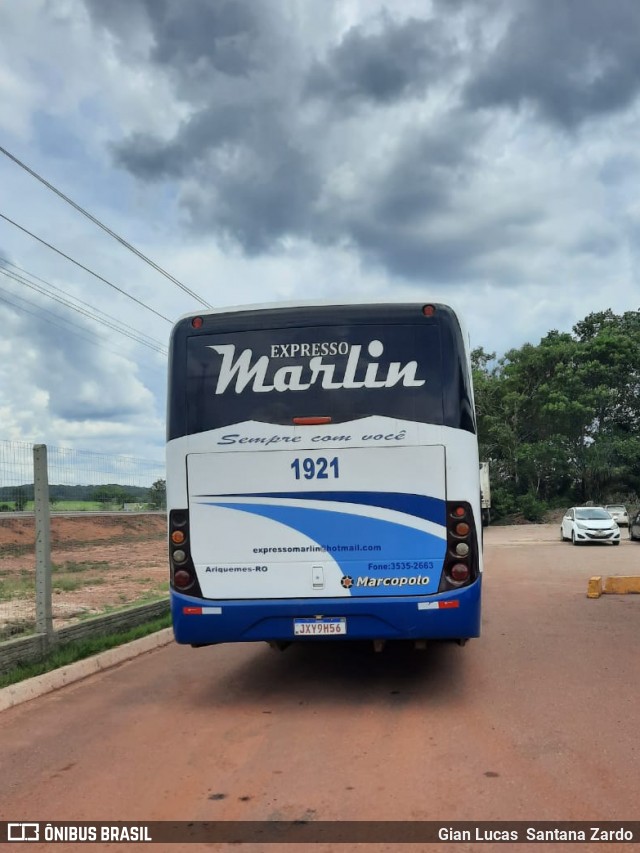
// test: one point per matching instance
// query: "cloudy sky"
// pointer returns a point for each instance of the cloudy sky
(482, 153)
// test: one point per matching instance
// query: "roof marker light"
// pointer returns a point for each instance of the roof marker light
(197, 322)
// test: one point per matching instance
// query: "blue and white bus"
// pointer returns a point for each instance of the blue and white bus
(323, 475)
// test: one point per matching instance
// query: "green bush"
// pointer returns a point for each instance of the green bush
(532, 508)
(503, 503)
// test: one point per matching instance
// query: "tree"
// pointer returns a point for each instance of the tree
(20, 498)
(560, 421)
(158, 494)
(112, 494)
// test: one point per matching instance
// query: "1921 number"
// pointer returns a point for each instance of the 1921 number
(316, 469)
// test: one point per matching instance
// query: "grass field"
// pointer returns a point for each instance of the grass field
(76, 506)
(81, 649)
(71, 506)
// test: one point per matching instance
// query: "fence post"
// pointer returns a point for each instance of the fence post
(44, 620)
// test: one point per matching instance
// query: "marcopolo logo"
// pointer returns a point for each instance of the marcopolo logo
(362, 370)
(416, 580)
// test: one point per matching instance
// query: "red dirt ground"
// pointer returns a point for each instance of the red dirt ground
(112, 560)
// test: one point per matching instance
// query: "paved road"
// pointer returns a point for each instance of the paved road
(537, 720)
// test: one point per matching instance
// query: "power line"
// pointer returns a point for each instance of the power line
(91, 310)
(109, 322)
(105, 228)
(86, 269)
(39, 316)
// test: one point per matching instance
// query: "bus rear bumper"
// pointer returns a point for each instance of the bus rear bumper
(451, 615)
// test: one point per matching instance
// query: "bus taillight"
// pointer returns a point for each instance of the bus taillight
(461, 561)
(182, 579)
(183, 573)
(459, 572)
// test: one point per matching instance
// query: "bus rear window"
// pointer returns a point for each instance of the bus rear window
(341, 372)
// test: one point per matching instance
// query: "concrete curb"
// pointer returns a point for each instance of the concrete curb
(16, 694)
(617, 585)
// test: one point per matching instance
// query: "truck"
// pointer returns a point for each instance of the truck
(485, 493)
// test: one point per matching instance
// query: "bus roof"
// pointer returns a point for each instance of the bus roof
(312, 303)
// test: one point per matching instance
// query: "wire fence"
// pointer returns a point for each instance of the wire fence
(101, 527)
(16, 475)
(80, 481)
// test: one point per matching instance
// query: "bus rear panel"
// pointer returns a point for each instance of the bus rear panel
(322, 476)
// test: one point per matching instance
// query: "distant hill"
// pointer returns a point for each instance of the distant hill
(73, 493)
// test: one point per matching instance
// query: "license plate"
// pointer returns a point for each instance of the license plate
(329, 625)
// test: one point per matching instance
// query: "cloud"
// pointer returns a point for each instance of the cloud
(379, 136)
(244, 177)
(272, 153)
(570, 59)
(401, 60)
(239, 153)
(70, 380)
(314, 149)
(193, 41)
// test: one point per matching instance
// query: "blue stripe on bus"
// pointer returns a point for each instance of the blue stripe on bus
(420, 506)
(393, 543)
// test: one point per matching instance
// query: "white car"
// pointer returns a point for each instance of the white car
(619, 513)
(589, 524)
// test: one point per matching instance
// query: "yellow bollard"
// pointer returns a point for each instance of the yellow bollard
(622, 585)
(594, 589)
